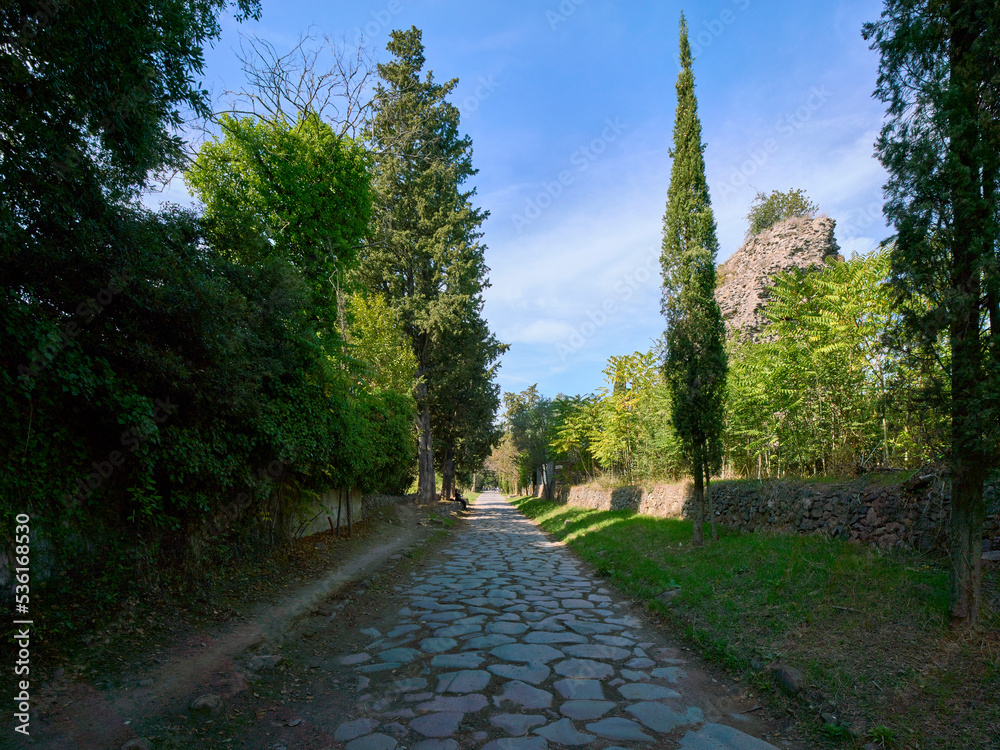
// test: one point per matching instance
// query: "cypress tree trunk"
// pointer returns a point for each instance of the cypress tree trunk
(968, 461)
(710, 503)
(697, 534)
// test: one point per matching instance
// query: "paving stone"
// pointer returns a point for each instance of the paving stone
(640, 662)
(517, 724)
(573, 688)
(524, 695)
(509, 617)
(591, 628)
(617, 728)
(402, 655)
(563, 732)
(408, 685)
(442, 616)
(633, 675)
(628, 621)
(658, 717)
(436, 645)
(465, 660)
(418, 697)
(397, 730)
(351, 729)
(644, 691)
(453, 631)
(720, 737)
(355, 659)
(533, 673)
(670, 674)
(473, 620)
(440, 724)
(517, 743)
(583, 710)
(435, 745)
(502, 594)
(372, 742)
(541, 636)
(613, 640)
(587, 668)
(469, 703)
(463, 681)
(551, 626)
(597, 651)
(507, 628)
(577, 604)
(530, 652)
(489, 641)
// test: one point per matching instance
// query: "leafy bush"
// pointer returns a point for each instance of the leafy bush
(767, 210)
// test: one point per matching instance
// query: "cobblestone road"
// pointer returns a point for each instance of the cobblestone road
(508, 644)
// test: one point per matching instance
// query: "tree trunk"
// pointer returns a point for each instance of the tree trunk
(425, 465)
(710, 503)
(350, 519)
(448, 475)
(697, 535)
(969, 462)
(340, 502)
(967, 515)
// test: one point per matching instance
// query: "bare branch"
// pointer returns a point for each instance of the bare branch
(319, 74)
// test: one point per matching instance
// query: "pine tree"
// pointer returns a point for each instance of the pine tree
(695, 365)
(941, 146)
(425, 255)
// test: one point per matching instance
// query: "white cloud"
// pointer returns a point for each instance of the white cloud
(536, 332)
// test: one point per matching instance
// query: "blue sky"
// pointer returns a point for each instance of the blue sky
(570, 108)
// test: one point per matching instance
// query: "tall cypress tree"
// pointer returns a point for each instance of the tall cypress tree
(941, 146)
(425, 255)
(694, 366)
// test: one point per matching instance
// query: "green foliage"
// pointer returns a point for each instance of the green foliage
(425, 256)
(941, 147)
(296, 191)
(883, 735)
(767, 210)
(694, 367)
(825, 389)
(377, 340)
(166, 389)
(528, 417)
(465, 398)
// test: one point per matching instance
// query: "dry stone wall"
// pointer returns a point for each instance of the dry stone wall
(747, 276)
(913, 514)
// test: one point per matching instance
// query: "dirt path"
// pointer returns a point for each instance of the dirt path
(73, 715)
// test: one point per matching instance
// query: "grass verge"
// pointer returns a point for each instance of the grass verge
(868, 630)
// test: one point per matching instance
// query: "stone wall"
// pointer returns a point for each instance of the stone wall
(315, 518)
(746, 277)
(913, 514)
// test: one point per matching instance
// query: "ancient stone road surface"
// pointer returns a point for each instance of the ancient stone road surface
(507, 644)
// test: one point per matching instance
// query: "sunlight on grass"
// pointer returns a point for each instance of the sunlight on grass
(853, 618)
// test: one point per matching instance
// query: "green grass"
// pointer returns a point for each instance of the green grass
(865, 627)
